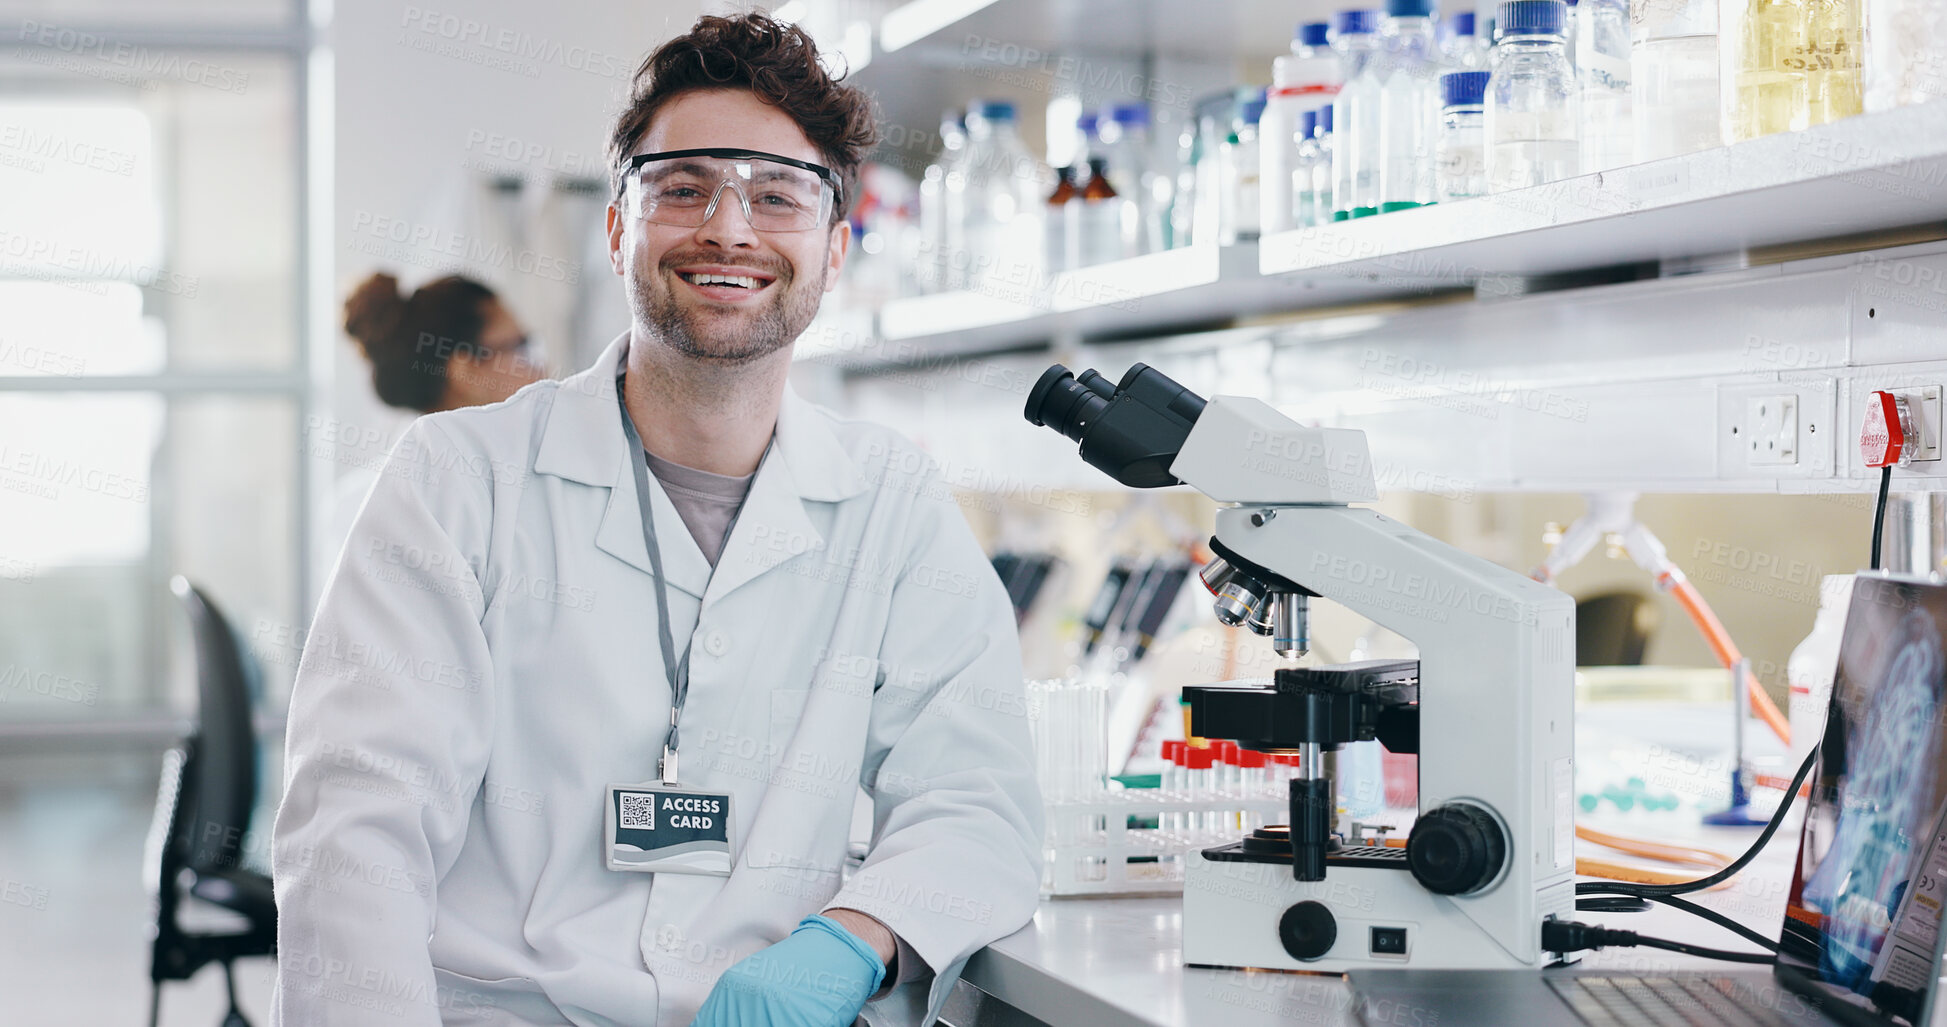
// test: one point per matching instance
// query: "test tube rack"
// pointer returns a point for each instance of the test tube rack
(1091, 845)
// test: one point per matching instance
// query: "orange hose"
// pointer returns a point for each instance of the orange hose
(1709, 859)
(1663, 851)
(1727, 654)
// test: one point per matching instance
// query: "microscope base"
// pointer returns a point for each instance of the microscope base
(1379, 916)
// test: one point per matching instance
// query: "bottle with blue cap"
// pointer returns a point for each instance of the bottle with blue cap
(1409, 105)
(1532, 104)
(1322, 142)
(1125, 142)
(1462, 152)
(1355, 115)
(1465, 47)
(999, 200)
(1301, 82)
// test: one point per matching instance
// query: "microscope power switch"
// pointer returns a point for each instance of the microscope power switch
(1456, 849)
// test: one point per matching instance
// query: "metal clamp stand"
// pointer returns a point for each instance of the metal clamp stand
(1739, 814)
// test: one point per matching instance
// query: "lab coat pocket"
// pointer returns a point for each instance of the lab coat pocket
(476, 1000)
(806, 814)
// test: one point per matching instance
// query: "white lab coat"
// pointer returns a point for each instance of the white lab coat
(484, 663)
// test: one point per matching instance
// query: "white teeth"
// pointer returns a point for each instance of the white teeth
(710, 279)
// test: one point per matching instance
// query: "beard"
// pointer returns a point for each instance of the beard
(725, 335)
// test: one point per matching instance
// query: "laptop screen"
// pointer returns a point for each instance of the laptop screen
(1863, 916)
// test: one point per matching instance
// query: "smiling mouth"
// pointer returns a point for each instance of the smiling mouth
(750, 282)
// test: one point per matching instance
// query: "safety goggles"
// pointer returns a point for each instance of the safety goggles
(682, 188)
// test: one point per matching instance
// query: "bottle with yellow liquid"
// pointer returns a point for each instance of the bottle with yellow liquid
(1790, 64)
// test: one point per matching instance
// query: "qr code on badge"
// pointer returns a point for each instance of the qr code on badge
(639, 812)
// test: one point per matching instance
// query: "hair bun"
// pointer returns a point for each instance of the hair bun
(373, 312)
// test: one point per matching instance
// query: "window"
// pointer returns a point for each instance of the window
(153, 381)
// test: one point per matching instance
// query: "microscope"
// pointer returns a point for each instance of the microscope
(1488, 707)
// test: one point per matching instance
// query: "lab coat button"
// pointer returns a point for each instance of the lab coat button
(715, 644)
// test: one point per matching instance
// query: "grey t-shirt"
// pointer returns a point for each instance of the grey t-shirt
(707, 502)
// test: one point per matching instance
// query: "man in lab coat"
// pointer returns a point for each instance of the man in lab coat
(509, 648)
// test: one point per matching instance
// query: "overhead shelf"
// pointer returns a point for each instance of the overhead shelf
(1863, 175)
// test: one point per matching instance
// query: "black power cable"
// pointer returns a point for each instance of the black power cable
(1879, 511)
(1652, 891)
(1570, 936)
(1584, 936)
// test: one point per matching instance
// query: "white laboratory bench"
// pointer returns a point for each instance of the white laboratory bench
(1117, 962)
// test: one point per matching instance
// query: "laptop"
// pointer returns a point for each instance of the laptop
(1861, 941)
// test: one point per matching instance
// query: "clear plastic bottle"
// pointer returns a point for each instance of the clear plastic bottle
(1240, 167)
(1463, 139)
(1907, 59)
(938, 234)
(1355, 118)
(1532, 121)
(1810, 669)
(1304, 173)
(1465, 48)
(1322, 170)
(1409, 106)
(1003, 205)
(1790, 64)
(1673, 77)
(1301, 82)
(1602, 71)
(1125, 141)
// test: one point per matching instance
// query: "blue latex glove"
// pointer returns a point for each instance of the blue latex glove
(820, 976)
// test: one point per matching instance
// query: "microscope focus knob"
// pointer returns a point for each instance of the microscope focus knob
(1307, 931)
(1456, 849)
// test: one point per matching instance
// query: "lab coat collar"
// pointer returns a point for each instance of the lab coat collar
(582, 441)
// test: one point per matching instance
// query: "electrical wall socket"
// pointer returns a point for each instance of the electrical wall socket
(1770, 429)
(1923, 406)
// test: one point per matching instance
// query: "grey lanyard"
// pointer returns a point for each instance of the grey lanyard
(678, 668)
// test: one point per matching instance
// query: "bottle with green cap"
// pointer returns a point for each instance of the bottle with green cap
(1409, 105)
(1355, 117)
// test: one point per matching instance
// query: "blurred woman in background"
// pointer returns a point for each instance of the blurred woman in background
(450, 344)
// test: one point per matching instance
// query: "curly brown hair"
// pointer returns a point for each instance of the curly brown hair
(776, 61)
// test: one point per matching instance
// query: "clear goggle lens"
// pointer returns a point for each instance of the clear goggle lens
(684, 192)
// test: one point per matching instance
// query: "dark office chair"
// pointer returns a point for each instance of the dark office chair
(203, 807)
(1613, 629)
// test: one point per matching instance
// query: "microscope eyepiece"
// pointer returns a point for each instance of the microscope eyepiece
(1065, 403)
(1131, 431)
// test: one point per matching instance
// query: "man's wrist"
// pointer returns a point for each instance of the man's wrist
(867, 928)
